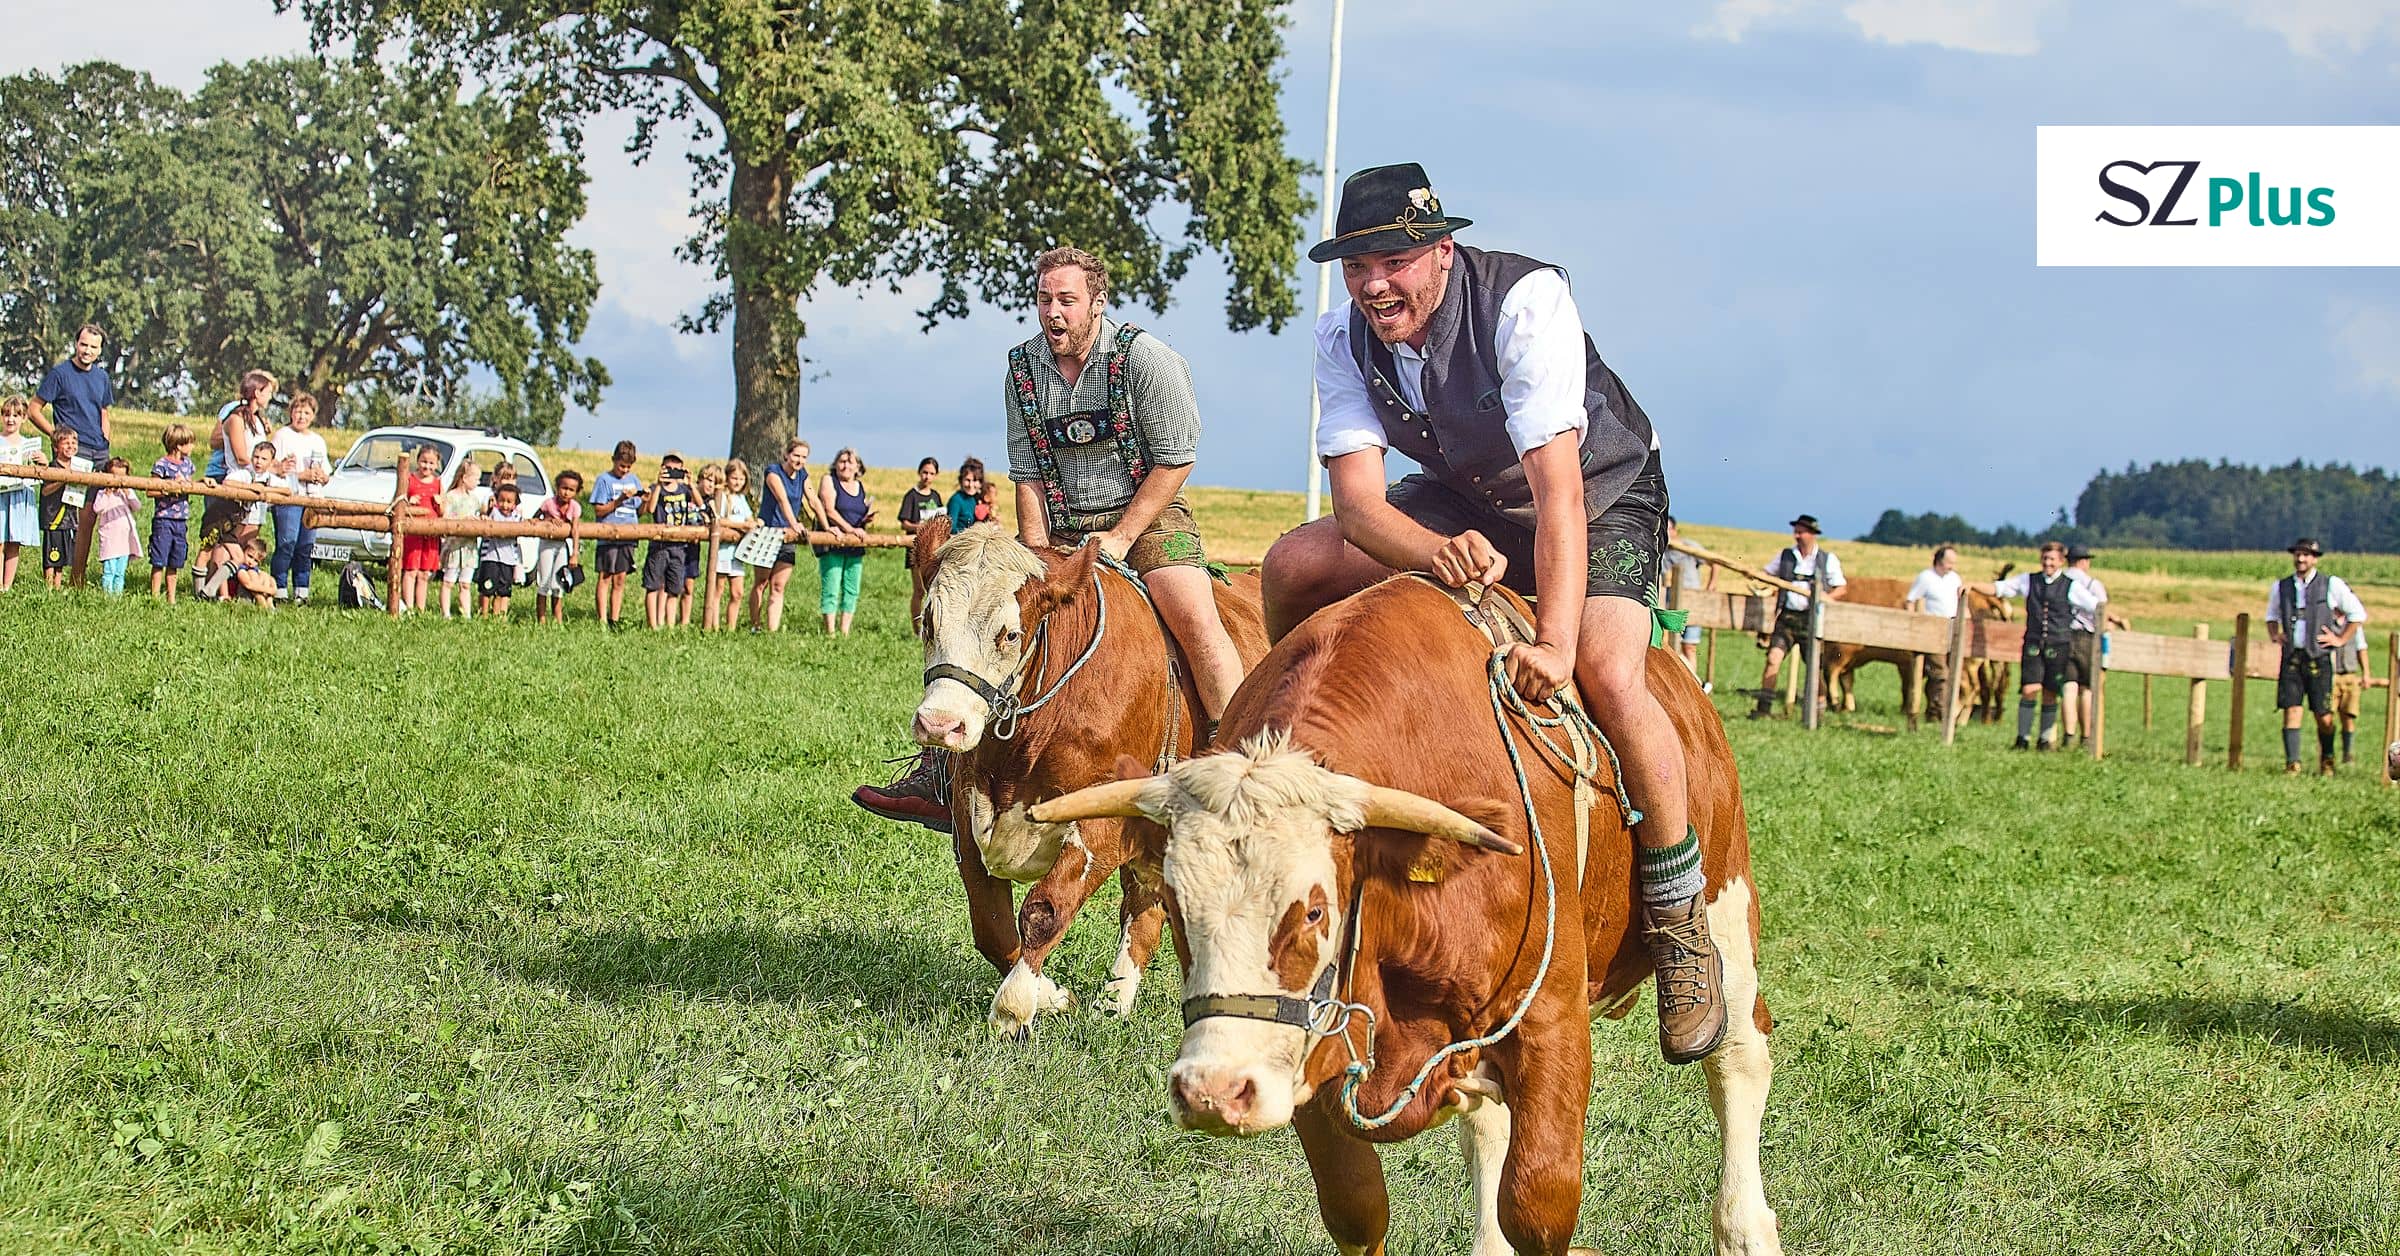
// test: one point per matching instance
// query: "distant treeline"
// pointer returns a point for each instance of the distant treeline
(2195, 505)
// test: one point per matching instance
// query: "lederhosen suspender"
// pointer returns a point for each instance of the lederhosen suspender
(1045, 456)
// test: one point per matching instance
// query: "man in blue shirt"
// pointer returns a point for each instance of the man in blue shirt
(77, 393)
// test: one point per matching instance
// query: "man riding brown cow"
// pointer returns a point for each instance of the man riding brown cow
(1541, 473)
(1103, 430)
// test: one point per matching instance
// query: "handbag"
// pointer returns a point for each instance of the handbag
(759, 547)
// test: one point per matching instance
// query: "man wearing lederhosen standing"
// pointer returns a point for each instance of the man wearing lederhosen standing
(2303, 610)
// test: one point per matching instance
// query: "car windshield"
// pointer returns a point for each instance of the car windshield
(387, 452)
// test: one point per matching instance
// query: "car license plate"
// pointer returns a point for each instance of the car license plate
(329, 553)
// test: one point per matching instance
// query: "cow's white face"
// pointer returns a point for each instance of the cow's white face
(972, 620)
(1250, 869)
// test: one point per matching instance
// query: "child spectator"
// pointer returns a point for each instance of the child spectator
(729, 487)
(20, 500)
(919, 503)
(261, 472)
(967, 505)
(664, 576)
(616, 498)
(233, 570)
(62, 506)
(301, 457)
(843, 503)
(113, 528)
(171, 513)
(464, 500)
(496, 574)
(419, 497)
(555, 569)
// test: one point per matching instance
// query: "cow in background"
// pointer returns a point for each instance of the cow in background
(1976, 685)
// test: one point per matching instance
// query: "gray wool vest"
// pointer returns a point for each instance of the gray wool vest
(2300, 629)
(1461, 437)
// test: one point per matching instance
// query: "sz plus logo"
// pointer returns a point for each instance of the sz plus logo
(2132, 185)
(2235, 196)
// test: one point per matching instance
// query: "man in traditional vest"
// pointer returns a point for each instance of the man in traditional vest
(2051, 596)
(1803, 562)
(2311, 615)
(1102, 429)
(1541, 473)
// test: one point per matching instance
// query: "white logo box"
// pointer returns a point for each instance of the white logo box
(2358, 165)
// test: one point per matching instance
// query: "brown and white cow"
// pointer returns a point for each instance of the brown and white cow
(1266, 849)
(995, 613)
(1842, 662)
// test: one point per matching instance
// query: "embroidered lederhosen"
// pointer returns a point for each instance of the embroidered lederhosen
(1040, 431)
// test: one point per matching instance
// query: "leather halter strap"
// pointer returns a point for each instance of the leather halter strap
(1282, 1009)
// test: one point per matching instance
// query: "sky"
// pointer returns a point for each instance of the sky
(1800, 230)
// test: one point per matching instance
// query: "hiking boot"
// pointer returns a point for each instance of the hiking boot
(2022, 744)
(920, 795)
(1691, 995)
(2291, 767)
(2325, 765)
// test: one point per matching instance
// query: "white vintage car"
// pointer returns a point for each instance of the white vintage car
(367, 474)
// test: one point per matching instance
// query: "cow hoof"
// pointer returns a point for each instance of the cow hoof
(1023, 996)
(1117, 998)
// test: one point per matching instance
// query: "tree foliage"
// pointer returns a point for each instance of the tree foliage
(2195, 505)
(866, 141)
(337, 225)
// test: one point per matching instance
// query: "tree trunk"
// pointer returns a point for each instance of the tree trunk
(766, 318)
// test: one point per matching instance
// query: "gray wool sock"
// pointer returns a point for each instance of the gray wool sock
(2049, 720)
(1672, 875)
(2291, 745)
(2025, 710)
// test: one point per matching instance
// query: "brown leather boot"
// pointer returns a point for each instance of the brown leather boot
(1691, 980)
(2325, 765)
(920, 795)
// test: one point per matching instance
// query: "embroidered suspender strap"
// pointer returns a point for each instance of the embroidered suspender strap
(1120, 408)
(1029, 410)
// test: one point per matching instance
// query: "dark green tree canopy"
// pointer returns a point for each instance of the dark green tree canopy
(865, 141)
(338, 225)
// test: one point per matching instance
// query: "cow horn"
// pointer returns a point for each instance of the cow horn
(1106, 800)
(1389, 808)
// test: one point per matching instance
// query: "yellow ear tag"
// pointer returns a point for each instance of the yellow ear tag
(1428, 867)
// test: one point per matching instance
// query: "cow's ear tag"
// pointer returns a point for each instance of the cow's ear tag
(1428, 867)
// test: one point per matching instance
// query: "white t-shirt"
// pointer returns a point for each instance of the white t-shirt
(255, 513)
(309, 449)
(1938, 593)
(2084, 612)
(1539, 343)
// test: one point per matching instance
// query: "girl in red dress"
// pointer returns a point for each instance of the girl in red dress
(420, 498)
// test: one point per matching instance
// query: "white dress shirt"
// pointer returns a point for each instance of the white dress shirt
(2345, 604)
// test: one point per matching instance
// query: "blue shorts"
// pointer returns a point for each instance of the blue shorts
(168, 545)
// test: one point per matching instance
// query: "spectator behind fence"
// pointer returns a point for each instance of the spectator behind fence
(843, 503)
(301, 457)
(921, 502)
(1936, 592)
(170, 513)
(20, 500)
(783, 504)
(419, 497)
(728, 487)
(78, 394)
(240, 425)
(464, 499)
(260, 472)
(498, 556)
(62, 510)
(1685, 573)
(2083, 643)
(616, 498)
(2351, 672)
(115, 530)
(1803, 563)
(2310, 614)
(555, 566)
(969, 506)
(664, 576)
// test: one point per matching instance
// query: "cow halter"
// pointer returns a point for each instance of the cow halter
(1006, 708)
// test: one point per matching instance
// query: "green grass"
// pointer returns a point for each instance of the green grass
(321, 932)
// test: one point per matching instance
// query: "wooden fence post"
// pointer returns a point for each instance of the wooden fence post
(2196, 719)
(2391, 703)
(1708, 678)
(2241, 684)
(1958, 663)
(2095, 727)
(399, 535)
(1811, 686)
(2145, 702)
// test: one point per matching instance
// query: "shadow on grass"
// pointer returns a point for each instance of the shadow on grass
(880, 963)
(2341, 1033)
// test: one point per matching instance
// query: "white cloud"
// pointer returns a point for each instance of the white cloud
(2368, 339)
(2319, 28)
(1998, 27)
(1733, 19)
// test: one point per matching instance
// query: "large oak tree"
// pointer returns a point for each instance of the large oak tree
(859, 141)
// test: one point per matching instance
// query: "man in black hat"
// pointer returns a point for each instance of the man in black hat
(2311, 615)
(1541, 473)
(2083, 641)
(1805, 563)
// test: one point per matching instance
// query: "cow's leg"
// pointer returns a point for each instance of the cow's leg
(1049, 907)
(991, 905)
(1348, 1174)
(1739, 1072)
(1140, 923)
(1547, 1074)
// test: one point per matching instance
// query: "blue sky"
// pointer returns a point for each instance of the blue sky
(1801, 230)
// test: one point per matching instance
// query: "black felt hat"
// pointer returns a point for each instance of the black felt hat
(2306, 545)
(1386, 208)
(1807, 523)
(2077, 553)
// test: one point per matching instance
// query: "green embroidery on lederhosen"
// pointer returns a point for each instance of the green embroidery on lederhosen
(1179, 546)
(1619, 560)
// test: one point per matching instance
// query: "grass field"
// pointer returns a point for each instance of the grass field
(328, 933)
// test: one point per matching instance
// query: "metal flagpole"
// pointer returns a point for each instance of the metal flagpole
(1333, 119)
